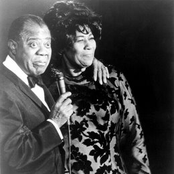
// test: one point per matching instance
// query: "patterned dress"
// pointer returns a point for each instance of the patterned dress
(106, 134)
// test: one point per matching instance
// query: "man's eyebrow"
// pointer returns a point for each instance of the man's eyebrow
(36, 38)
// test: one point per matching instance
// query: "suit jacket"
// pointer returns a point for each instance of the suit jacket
(29, 144)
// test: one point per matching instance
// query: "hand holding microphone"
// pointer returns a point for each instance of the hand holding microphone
(62, 92)
(63, 108)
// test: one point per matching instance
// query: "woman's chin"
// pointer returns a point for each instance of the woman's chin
(86, 64)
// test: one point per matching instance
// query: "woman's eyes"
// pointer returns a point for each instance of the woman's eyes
(79, 40)
(91, 38)
(83, 39)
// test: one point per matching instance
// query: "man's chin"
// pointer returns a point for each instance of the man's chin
(39, 72)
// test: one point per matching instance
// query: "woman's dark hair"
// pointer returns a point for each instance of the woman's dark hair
(63, 20)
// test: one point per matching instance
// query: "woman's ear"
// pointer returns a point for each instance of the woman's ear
(12, 45)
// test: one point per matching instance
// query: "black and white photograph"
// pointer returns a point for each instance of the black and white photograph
(86, 87)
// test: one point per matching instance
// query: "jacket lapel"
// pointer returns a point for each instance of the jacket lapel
(25, 89)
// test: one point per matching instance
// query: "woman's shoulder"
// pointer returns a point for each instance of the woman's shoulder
(118, 79)
(115, 73)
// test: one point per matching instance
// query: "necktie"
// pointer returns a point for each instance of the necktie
(33, 80)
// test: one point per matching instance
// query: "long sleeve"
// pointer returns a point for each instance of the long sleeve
(132, 136)
(27, 140)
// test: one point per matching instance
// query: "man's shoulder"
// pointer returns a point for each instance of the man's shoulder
(7, 78)
(2, 74)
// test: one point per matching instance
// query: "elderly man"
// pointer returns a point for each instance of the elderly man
(30, 120)
(30, 133)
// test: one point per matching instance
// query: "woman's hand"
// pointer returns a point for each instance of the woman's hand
(100, 71)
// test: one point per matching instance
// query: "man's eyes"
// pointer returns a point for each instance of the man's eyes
(33, 44)
(37, 44)
(48, 44)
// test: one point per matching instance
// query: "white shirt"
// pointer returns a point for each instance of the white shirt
(39, 92)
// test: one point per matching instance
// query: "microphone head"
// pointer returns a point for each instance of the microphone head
(57, 74)
(59, 80)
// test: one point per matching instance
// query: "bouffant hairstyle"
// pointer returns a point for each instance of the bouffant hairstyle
(63, 20)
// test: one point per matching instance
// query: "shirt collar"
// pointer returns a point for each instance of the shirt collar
(14, 67)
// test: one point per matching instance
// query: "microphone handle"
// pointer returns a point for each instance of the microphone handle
(62, 89)
(61, 85)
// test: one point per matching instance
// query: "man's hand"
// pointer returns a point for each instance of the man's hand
(62, 110)
(100, 71)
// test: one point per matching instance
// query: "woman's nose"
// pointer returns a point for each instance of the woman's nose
(87, 44)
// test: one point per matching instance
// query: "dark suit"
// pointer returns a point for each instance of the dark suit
(29, 144)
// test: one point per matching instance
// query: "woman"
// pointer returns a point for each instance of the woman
(106, 134)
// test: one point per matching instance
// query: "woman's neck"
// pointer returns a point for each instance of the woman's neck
(69, 69)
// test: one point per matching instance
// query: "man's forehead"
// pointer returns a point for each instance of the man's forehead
(35, 30)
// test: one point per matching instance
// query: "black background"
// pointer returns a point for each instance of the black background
(138, 39)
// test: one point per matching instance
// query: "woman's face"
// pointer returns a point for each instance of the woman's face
(81, 54)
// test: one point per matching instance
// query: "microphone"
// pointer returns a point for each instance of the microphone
(59, 81)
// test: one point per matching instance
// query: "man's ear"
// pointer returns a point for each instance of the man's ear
(12, 45)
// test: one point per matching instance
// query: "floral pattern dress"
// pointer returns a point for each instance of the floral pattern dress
(106, 134)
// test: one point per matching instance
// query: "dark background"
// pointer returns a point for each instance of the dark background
(138, 39)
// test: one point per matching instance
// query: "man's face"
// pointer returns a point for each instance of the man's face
(81, 54)
(33, 50)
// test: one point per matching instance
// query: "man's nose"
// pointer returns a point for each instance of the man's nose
(42, 50)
